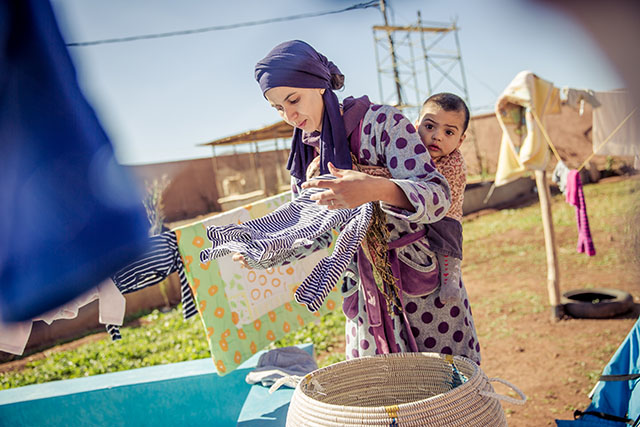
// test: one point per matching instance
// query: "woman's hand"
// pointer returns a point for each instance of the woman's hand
(351, 189)
(238, 257)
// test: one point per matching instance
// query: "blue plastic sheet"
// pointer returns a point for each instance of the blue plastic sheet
(618, 398)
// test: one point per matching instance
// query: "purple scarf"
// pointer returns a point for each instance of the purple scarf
(297, 64)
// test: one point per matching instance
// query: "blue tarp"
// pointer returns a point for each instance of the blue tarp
(618, 397)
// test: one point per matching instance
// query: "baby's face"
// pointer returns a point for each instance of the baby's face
(440, 130)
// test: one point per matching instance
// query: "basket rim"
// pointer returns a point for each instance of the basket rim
(462, 390)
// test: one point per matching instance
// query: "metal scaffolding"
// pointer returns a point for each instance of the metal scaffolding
(418, 61)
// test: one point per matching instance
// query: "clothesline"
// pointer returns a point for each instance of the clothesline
(546, 136)
(608, 138)
(555, 151)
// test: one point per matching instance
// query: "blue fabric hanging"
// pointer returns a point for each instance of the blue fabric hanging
(69, 214)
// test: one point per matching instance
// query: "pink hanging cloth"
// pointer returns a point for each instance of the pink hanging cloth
(575, 197)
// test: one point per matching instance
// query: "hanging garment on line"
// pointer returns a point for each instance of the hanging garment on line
(559, 176)
(615, 107)
(14, 336)
(575, 197)
(69, 214)
(244, 310)
(273, 239)
(577, 97)
(523, 146)
(156, 264)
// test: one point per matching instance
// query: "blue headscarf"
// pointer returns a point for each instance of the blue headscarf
(297, 64)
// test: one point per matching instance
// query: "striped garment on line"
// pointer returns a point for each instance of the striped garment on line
(276, 238)
(156, 264)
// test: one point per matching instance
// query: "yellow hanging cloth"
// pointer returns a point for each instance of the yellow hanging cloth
(523, 145)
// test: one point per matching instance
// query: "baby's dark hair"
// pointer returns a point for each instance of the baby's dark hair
(449, 102)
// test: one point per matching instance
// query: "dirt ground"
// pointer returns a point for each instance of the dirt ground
(555, 363)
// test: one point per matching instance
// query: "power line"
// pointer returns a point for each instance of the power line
(371, 3)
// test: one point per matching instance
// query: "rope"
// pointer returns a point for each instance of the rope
(546, 135)
(365, 5)
(607, 139)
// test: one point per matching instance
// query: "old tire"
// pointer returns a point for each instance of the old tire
(596, 303)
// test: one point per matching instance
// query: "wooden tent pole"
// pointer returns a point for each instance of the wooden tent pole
(553, 276)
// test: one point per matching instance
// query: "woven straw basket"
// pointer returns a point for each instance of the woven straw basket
(405, 389)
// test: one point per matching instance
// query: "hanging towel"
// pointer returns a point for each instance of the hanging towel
(576, 97)
(274, 238)
(244, 310)
(575, 197)
(519, 153)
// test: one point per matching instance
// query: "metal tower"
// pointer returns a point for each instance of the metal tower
(418, 61)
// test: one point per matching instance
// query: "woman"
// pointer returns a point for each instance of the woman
(390, 288)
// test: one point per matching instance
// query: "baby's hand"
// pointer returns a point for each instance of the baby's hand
(238, 257)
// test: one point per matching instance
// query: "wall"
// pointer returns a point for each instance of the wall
(197, 185)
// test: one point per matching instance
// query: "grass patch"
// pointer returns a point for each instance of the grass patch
(511, 240)
(162, 338)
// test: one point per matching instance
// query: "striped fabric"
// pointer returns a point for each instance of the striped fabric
(279, 236)
(152, 267)
(114, 331)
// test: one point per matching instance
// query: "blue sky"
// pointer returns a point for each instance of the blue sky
(159, 98)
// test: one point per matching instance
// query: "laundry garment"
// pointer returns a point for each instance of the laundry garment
(615, 107)
(14, 336)
(559, 176)
(523, 146)
(575, 197)
(577, 97)
(244, 310)
(69, 214)
(159, 261)
(275, 238)
(279, 363)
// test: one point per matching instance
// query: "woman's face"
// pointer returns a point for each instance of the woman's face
(300, 107)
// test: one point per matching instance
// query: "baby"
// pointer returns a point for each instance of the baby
(443, 121)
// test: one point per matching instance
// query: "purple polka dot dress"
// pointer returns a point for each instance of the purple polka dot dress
(388, 139)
